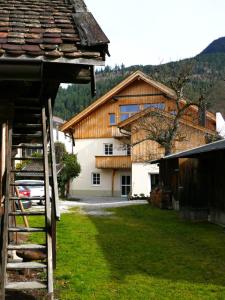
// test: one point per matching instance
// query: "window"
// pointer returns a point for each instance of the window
(112, 119)
(31, 152)
(127, 111)
(173, 112)
(108, 149)
(96, 178)
(155, 105)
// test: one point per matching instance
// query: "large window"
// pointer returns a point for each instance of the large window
(108, 149)
(127, 111)
(112, 119)
(96, 179)
(155, 105)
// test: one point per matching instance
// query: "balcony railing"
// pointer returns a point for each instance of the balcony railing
(113, 162)
(117, 134)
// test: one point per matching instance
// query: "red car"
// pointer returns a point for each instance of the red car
(24, 192)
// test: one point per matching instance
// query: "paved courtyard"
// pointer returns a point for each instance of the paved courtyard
(97, 205)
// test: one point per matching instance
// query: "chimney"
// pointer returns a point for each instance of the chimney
(202, 112)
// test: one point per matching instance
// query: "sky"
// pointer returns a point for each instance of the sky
(143, 32)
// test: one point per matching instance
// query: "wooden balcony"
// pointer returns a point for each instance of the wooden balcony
(117, 134)
(113, 162)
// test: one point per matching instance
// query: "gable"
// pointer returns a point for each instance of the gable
(138, 89)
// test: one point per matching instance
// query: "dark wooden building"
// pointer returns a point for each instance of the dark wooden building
(195, 178)
(42, 43)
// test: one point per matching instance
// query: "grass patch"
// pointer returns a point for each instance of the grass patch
(139, 253)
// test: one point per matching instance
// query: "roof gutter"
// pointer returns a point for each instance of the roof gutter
(21, 70)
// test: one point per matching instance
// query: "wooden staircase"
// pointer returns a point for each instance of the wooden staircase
(31, 128)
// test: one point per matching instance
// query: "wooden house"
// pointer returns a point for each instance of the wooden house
(42, 44)
(195, 179)
(103, 133)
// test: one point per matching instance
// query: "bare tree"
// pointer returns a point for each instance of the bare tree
(165, 128)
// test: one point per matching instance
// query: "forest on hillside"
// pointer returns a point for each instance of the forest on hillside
(208, 69)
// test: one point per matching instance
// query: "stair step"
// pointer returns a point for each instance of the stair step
(26, 247)
(26, 285)
(36, 108)
(25, 265)
(35, 174)
(27, 229)
(26, 184)
(27, 158)
(28, 171)
(27, 135)
(27, 146)
(27, 198)
(27, 213)
(21, 125)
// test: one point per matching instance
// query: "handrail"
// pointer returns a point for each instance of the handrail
(55, 198)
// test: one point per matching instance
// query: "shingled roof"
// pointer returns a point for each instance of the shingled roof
(56, 30)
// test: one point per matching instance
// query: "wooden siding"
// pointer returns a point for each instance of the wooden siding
(96, 124)
(198, 184)
(150, 150)
(113, 162)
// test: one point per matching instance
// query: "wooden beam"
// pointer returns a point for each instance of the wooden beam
(138, 95)
(90, 32)
(78, 5)
(113, 181)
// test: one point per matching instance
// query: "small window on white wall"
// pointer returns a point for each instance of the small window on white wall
(108, 149)
(96, 179)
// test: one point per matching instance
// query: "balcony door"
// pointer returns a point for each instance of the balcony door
(125, 185)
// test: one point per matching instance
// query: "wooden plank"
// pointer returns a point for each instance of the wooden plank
(90, 32)
(25, 265)
(27, 229)
(53, 162)
(26, 247)
(55, 196)
(48, 220)
(79, 5)
(27, 213)
(27, 285)
(4, 252)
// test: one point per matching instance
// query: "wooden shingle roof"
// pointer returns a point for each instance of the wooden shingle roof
(56, 30)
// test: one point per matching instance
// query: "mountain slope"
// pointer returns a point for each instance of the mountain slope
(217, 46)
(206, 68)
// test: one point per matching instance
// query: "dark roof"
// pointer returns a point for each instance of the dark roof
(56, 30)
(215, 146)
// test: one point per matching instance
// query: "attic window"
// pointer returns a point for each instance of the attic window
(112, 119)
(155, 105)
(126, 111)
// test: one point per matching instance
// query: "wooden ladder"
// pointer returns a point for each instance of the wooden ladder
(31, 129)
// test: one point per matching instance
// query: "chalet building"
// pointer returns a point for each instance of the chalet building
(103, 133)
(42, 43)
(195, 179)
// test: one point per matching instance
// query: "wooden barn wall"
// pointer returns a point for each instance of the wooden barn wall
(169, 176)
(212, 180)
(199, 185)
(96, 124)
(150, 150)
(190, 184)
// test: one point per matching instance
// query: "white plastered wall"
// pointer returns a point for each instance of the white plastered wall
(86, 150)
(141, 179)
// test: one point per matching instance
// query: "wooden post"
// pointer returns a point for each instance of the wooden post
(113, 181)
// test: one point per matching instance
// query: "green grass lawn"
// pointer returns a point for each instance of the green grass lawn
(139, 253)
